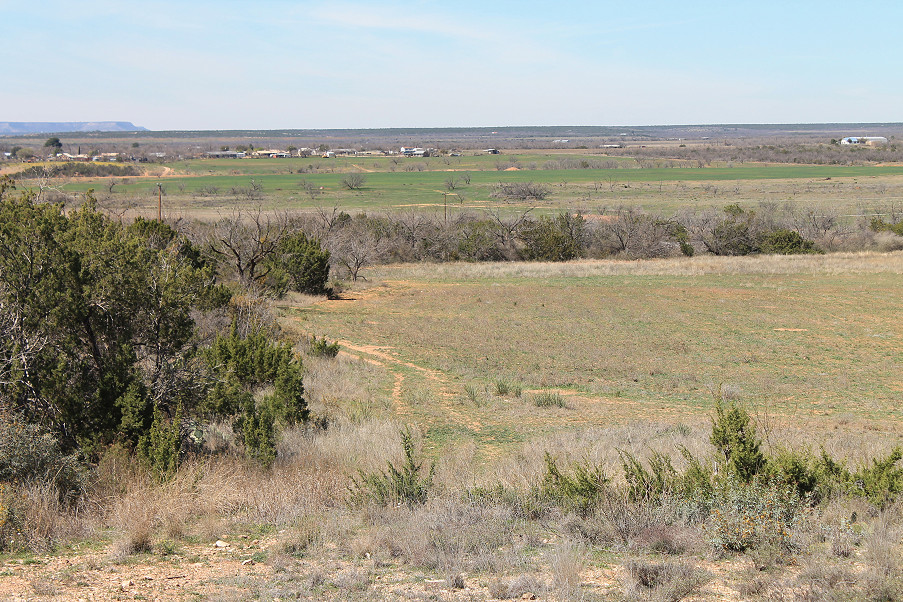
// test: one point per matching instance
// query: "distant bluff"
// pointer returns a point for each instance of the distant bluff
(12, 128)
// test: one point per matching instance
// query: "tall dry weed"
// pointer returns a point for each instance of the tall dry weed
(34, 519)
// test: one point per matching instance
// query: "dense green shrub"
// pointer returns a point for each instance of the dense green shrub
(881, 481)
(734, 436)
(648, 484)
(409, 484)
(580, 489)
(300, 264)
(879, 225)
(101, 321)
(561, 238)
(161, 446)
(257, 427)
(260, 385)
(787, 242)
(251, 364)
(323, 348)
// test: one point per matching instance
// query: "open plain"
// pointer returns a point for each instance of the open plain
(543, 421)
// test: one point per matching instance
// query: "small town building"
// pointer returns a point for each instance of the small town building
(868, 140)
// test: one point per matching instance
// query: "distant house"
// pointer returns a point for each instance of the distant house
(409, 151)
(224, 154)
(272, 153)
(869, 140)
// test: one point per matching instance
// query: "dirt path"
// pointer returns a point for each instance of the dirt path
(383, 357)
(194, 571)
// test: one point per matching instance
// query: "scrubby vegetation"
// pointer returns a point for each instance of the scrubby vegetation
(664, 516)
(119, 334)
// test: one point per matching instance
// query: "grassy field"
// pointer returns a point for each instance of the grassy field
(811, 341)
(392, 183)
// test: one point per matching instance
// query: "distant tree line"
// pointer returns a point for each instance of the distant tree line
(84, 169)
(357, 241)
(738, 152)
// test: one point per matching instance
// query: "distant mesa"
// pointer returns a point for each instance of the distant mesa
(13, 128)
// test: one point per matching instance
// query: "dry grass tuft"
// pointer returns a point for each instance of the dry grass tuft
(40, 520)
(516, 587)
(665, 581)
(567, 562)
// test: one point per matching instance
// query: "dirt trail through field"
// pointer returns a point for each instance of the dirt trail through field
(383, 357)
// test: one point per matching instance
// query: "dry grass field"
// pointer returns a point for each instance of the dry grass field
(493, 366)
(808, 341)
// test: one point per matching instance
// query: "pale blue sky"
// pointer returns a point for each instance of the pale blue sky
(235, 64)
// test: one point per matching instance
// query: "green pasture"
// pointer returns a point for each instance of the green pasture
(465, 162)
(815, 347)
(394, 183)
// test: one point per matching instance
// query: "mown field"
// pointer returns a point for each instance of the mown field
(801, 341)
(204, 187)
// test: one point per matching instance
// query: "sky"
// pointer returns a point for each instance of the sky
(229, 64)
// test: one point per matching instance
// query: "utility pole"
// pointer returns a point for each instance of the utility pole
(159, 202)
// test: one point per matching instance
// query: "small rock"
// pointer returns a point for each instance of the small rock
(247, 562)
(220, 544)
(127, 583)
(528, 596)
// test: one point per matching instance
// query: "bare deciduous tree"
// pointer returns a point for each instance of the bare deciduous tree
(353, 181)
(245, 239)
(310, 188)
(506, 229)
(521, 191)
(355, 247)
(636, 234)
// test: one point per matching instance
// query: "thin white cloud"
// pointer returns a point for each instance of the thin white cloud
(398, 19)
